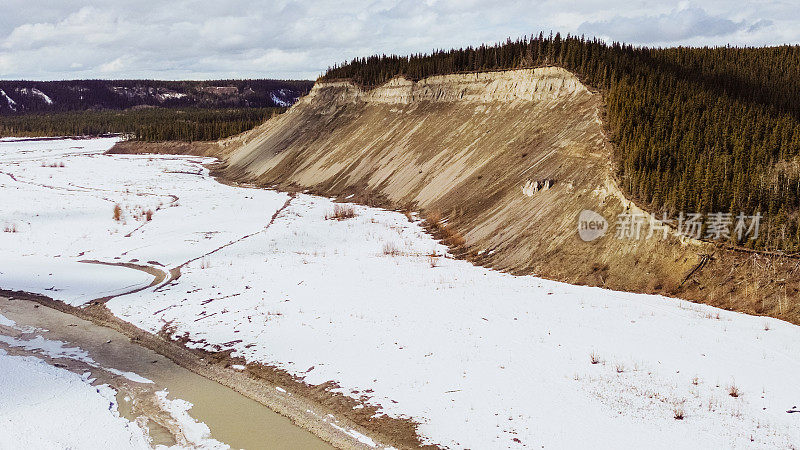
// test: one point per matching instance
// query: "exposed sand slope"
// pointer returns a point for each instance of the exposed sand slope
(465, 146)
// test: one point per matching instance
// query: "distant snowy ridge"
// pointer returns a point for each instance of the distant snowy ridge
(78, 95)
(285, 98)
(11, 103)
(278, 101)
(33, 92)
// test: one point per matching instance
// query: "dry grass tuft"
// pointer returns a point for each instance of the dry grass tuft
(341, 212)
(449, 235)
(117, 212)
(11, 228)
(391, 249)
(594, 358)
(678, 413)
(452, 237)
(734, 391)
(433, 259)
(619, 368)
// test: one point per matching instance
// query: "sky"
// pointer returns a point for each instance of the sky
(213, 39)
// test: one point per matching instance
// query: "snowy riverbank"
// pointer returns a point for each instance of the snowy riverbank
(481, 359)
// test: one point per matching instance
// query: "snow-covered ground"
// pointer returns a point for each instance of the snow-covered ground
(57, 216)
(481, 359)
(43, 406)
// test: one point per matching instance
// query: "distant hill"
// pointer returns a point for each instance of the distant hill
(19, 97)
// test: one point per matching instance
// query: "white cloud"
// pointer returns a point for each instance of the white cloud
(116, 65)
(261, 38)
(685, 22)
(6, 67)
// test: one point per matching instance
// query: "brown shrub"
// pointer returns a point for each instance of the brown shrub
(148, 215)
(341, 212)
(449, 235)
(117, 212)
(434, 219)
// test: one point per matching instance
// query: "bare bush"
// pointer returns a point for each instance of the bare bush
(341, 212)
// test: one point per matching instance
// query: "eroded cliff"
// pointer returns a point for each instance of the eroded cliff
(508, 160)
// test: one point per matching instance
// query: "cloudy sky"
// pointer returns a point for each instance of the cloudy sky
(204, 39)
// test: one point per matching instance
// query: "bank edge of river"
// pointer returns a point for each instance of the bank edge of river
(328, 415)
(146, 383)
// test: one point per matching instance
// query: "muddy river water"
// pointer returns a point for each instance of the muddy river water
(233, 419)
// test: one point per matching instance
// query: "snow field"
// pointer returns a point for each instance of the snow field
(481, 359)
